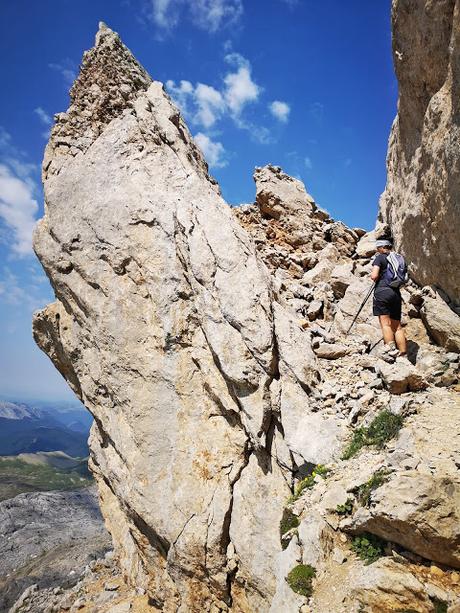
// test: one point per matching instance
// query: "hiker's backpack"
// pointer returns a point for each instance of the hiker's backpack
(396, 272)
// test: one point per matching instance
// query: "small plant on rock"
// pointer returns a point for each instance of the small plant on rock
(439, 605)
(288, 522)
(382, 429)
(346, 508)
(368, 547)
(365, 490)
(300, 579)
(308, 481)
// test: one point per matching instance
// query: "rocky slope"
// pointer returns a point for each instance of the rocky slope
(209, 344)
(46, 539)
(421, 198)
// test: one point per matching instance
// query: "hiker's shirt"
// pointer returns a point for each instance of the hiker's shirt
(381, 261)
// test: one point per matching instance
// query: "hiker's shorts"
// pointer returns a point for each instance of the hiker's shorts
(387, 301)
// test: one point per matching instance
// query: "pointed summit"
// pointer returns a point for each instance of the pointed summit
(103, 31)
(109, 81)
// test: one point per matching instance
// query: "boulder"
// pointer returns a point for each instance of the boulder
(314, 309)
(311, 436)
(419, 512)
(285, 599)
(341, 277)
(441, 322)
(401, 376)
(278, 194)
(319, 274)
(332, 351)
(366, 245)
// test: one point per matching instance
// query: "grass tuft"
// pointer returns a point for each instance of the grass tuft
(382, 429)
(300, 579)
(288, 522)
(365, 490)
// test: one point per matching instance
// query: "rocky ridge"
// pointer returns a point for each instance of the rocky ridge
(212, 338)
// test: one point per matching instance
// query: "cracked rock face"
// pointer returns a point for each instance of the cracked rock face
(422, 193)
(209, 344)
(164, 327)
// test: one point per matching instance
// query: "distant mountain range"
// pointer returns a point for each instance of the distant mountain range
(27, 428)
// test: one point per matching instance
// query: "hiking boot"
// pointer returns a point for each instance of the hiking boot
(389, 353)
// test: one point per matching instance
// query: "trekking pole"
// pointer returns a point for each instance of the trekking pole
(361, 308)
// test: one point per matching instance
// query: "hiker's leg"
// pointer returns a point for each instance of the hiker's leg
(400, 337)
(387, 330)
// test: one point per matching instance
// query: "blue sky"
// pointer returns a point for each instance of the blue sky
(303, 84)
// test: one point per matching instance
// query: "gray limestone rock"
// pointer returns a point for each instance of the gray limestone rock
(163, 326)
(420, 202)
(401, 376)
(441, 322)
(44, 536)
(183, 326)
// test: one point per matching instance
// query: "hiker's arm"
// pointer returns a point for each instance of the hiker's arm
(375, 273)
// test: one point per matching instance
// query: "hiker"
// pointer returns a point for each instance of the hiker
(389, 272)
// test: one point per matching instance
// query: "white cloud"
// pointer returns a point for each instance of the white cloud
(204, 104)
(209, 15)
(164, 13)
(67, 69)
(43, 116)
(45, 119)
(214, 152)
(240, 89)
(10, 290)
(18, 208)
(22, 292)
(308, 164)
(182, 94)
(212, 14)
(259, 134)
(5, 138)
(210, 104)
(280, 110)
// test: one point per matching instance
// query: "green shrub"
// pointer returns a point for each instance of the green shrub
(300, 579)
(346, 508)
(382, 429)
(368, 547)
(288, 521)
(308, 481)
(365, 490)
(439, 605)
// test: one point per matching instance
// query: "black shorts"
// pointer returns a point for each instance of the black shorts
(387, 301)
